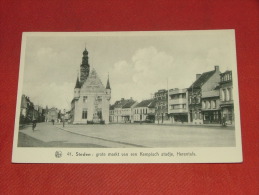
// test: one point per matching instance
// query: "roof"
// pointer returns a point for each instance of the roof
(129, 104)
(112, 107)
(122, 102)
(202, 79)
(74, 99)
(161, 91)
(177, 91)
(209, 94)
(77, 83)
(146, 103)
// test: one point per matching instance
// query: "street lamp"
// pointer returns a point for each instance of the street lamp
(64, 114)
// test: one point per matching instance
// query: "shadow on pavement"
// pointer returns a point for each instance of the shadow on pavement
(27, 141)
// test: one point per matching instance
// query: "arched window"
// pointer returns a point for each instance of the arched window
(227, 94)
(213, 104)
(223, 95)
(203, 104)
(208, 104)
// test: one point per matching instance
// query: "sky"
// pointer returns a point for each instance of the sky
(138, 63)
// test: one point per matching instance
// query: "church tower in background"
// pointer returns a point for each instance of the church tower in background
(84, 68)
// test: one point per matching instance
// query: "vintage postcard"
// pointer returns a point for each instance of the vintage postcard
(128, 97)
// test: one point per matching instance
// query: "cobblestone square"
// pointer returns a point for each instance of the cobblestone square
(126, 136)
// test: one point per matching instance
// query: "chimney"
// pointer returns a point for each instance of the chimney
(217, 68)
(198, 76)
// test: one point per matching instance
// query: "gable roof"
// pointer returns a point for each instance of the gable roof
(202, 79)
(129, 104)
(146, 103)
(112, 107)
(121, 103)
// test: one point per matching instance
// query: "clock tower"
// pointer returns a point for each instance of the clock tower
(84, 67)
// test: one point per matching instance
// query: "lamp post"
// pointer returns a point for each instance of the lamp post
(64, 114)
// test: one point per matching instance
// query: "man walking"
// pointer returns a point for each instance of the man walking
(34, 122)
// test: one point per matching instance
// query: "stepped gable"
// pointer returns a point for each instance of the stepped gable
(93, 84)
(202, 79)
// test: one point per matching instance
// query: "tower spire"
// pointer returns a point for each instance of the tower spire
(108, 83)
(77, 83)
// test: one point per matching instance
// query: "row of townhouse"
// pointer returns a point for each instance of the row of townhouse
(30, 112)
(208, 100)
(130, 111)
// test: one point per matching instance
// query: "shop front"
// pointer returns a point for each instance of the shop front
(211, 117)
(228, 113)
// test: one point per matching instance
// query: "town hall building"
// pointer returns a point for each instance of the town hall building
(91, 99)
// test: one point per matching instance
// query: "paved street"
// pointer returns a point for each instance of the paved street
(126, 135)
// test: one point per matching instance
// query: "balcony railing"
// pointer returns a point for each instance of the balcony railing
(177, 101)
(178, 110)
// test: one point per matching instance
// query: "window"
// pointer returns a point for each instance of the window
(203, 104)
(99, 98)
(84, 114)
(208, 105)
(214, 104)
(198, 100)
(223, 95)
(227, 94)
(99, 114)
(84, 99)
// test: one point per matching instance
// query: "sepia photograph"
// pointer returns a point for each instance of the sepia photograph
(128, 97)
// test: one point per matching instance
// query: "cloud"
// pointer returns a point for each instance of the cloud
(150, 70)
(147, 71)
(53, 95)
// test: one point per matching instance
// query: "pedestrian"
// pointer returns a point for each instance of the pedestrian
(224, 121)
(34, 123)
(63, 122)
(53, 121)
